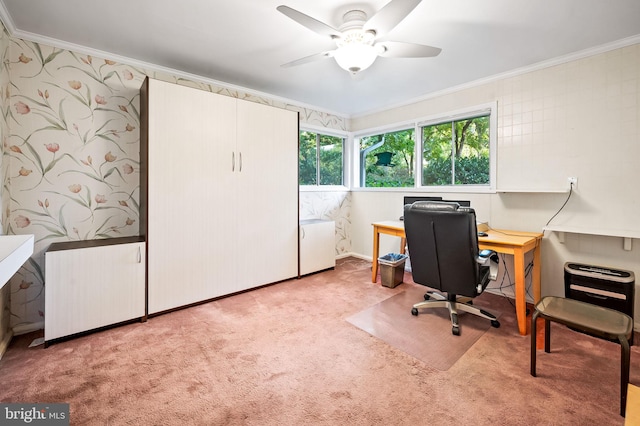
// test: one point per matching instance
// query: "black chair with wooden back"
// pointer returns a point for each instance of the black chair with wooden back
(443, 247)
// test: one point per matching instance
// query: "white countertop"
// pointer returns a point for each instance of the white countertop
(14, 251)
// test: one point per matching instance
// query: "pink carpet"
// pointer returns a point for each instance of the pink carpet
(285, 355)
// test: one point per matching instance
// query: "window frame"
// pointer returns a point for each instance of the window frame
(345, 157)
(468, 112)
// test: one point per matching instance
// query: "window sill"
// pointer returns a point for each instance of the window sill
(430, 190)
(327, 188)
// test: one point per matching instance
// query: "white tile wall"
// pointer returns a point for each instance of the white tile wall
(580, 118)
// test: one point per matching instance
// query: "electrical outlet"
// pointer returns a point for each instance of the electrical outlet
(573, 182)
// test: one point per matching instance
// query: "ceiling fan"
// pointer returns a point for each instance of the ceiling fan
(357, 44)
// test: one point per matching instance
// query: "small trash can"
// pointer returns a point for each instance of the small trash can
(392, 269)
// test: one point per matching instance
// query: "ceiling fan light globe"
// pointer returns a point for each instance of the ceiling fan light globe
(355, 57)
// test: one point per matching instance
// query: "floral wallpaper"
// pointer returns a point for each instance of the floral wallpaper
(74, 157)
(334, 206)
(5, 314)
(71, 156)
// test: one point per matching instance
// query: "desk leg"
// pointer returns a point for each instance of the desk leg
(403, 245)
(521, 291)
(535, 273)
(376, 254)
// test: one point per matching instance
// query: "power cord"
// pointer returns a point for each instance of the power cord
(565, 203)
(515, 234)
(502, 284)
(511, 284)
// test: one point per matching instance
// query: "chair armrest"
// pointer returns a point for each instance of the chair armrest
(489, 258)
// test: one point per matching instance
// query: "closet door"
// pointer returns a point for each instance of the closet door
(268, 195)
(191, 202)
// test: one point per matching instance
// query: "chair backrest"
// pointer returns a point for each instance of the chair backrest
(443, 245)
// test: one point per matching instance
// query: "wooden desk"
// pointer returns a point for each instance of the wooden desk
(515, 243)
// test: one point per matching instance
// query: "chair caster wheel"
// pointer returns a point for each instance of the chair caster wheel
(426, 296)
(414, 312)
(495, 324)
(455, 330)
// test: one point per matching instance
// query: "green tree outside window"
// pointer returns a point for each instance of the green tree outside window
(456, 152)
(325, 151)
(387, 160)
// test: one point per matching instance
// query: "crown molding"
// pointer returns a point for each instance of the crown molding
(629, 41)
(6, 19)
(40, 39)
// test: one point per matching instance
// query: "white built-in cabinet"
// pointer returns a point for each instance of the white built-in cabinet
(93, 284)
(317, 245)
(221, 195)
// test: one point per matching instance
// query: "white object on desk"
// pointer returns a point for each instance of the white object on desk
(482, 226)
(14, 251)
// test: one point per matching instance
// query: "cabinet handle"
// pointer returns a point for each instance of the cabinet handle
(240, 162)
(303, 233)
(233, 161)
(139, 255)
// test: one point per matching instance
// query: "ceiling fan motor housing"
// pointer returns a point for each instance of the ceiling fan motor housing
(353, 19)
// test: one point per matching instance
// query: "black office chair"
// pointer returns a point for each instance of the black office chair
(443, 247)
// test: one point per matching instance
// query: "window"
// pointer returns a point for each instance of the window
(457, 152)
(387, 160)
(321, 159)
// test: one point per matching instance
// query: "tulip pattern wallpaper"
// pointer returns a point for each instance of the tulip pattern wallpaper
(336, 206)
(71, 164)
(5, 292)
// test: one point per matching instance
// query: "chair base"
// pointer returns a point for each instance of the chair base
(453, 303)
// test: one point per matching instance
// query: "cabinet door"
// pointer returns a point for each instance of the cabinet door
(192, 138)
(317, 246)
(268, 190)
(93, 287)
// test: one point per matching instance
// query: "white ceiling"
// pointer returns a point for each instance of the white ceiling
(244, 42)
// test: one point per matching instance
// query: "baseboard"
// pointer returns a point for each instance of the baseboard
(4, 344)
(356, 255)
(27, 328)
(499, 292)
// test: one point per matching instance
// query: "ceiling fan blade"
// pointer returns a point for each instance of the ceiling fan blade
(311, 58)
(398, 49)
(309, 22)
(390, 15)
